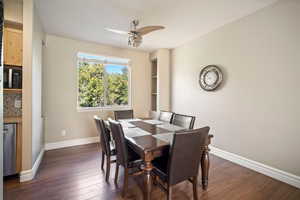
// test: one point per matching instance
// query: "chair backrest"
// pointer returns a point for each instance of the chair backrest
(121, 148)
(104, 135)
(123, 114)
(185, 154)
(165, 116)
(184, 121)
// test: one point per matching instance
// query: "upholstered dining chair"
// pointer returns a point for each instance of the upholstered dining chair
(106, 146)
(123, 114)
(165, 116)
(125, 156)
(182, 163)
(184, 121)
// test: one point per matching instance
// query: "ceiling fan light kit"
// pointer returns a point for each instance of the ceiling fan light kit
(134, 40)
(135, 36)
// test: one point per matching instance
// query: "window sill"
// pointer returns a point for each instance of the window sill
(104, 109)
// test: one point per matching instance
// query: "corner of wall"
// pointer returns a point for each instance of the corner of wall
(27, 86)
(28, 175)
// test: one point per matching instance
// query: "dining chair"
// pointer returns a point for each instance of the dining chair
(182, 163)
(184, 121)
(125, 156)
(123, 114)
(165, 116)
(106, 146)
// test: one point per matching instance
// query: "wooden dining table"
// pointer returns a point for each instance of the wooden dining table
(151, 139)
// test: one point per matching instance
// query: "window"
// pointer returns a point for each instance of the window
(103, 82)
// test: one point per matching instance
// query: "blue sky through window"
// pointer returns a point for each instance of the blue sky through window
(110, 68)
(114, 69)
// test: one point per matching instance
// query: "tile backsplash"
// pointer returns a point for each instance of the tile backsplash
(9, 105)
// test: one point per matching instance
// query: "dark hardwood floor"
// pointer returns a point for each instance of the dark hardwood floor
(74, 174)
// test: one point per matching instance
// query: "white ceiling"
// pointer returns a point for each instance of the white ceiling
(184, 19)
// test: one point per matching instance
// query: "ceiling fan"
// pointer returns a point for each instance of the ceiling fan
(135, 36)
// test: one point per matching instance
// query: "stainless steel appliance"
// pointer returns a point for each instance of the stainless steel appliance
(12, 77)
(9, 149)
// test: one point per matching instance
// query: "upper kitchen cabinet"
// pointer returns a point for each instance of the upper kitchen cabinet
(13, 47)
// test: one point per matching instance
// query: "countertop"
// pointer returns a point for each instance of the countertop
(12, 119)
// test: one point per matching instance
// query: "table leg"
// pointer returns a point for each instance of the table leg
(148, 179)
(205, 168)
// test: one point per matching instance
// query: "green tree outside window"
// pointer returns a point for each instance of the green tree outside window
(102, 85)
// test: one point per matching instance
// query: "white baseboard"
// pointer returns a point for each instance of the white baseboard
(259, 167)
(70, 143)
(30, 174)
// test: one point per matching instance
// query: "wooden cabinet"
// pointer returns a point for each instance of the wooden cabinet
(154, 84)
(13, 47)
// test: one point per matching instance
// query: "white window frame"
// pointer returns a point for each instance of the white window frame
(101, 108)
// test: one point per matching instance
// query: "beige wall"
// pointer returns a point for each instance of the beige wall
(163, 72)
(60, 83)
(32, 133)
(256, 112)
(37, 122)
(27, 85)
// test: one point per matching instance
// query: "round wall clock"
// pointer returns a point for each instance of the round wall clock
(210, 77)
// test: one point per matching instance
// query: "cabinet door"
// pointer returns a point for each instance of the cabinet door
(13, 45)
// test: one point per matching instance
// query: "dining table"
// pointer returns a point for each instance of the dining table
(151, 139)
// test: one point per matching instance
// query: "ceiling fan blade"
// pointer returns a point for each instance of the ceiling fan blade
(117, 31)
(148, 29)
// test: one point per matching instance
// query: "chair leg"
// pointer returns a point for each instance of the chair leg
(125, 186)
(107, 167)
(169, 193)
(117, 173)
(102, 161)
(195, 183)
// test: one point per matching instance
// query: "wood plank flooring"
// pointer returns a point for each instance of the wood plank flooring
(74, 174)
